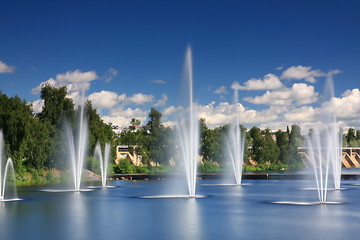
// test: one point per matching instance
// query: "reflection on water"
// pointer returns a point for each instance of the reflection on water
(78, 217)
(187, 220)
(228, 213)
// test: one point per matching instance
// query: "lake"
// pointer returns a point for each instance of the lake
(228, 212)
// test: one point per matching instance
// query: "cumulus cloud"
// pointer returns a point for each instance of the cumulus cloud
(104, 99)
(269, 82)
(158, 81)
(298, 94)
(4, 68)
(302, 72)
(221, 90)
(109, 100)
(348, 105)
(73, 80)
(110, 74)
(225, 113)
(170, 110)
(302, 114)
(122, 116)
(37, 105)
(140, 98)
(162, 101)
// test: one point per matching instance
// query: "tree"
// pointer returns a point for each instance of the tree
(351, 138)
(158, 138)
(270, 151)
(282, 141)
(264, 149)
(57, 106)
(99, 131)
(257, 143)
(15, 117)
(134, 123)
(211, 142)
(295, 141)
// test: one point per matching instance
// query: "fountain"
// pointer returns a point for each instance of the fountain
(324, 148)
(104, 162)
(77, 150)
(188, 135)
(6, 167)
(188, 131)
(235, 143)
(324, 145)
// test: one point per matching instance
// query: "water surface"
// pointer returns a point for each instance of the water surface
(230, 212)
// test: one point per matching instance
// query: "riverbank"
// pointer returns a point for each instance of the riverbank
(348, 174)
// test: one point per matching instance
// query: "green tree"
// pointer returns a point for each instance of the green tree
(15, 117)
(211, 142)
(158, 138)
(58, 108)
(99, 131)
(295, 141)
(269, 152)
(282, 141)
(351, 138)
(257, 144)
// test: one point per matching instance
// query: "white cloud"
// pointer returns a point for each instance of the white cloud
(302, 114)
(158, 81)
(4, 68)
(298, 94)
(280, 68)
(225, 113)
(140, 99)
(37, 105)
(74, 81)
(334, 72)
(169, 110)
(348, 105)
(162, 101)
(110, 74)
(109, 100)
(221, 90)
(122, 116)
(104, 99)
(269, 82)
(302, 72)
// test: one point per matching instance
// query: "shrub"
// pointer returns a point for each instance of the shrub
(124, 167)
(209, 167)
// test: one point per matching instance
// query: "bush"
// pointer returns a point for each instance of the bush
(124, 167)
(51, 177)
(142, 169)
(265, 167)
(209, 167)
(250, 168)
(295, 166)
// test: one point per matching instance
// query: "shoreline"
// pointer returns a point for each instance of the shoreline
(250, 175)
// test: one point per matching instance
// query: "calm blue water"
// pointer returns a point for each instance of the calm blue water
(228, 213)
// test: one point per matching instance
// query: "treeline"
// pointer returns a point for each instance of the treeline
(351, 138)
(34, 141)
(264, 149)
(156, 143)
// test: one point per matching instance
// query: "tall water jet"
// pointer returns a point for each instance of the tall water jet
(104, 161)
(77, 150)
(7, 173)
(324, 145)
(188, 130)
(235, 143)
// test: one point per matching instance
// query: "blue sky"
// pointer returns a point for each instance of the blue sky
(131, 54)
